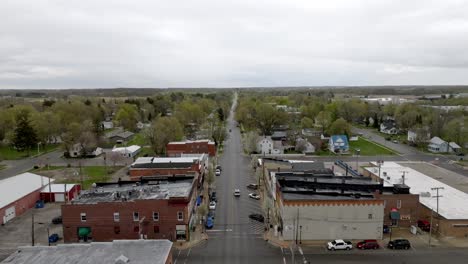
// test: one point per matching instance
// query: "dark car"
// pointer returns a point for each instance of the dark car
(424, 225)
(211, 214)
(57, 220)
(368, 244)
(386, 229)
(252, 186)
(218, 167)
(213, 197)
(399, 244)
(53, 238)
(257, 217)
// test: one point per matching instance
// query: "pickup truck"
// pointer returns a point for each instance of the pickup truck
(339, 244)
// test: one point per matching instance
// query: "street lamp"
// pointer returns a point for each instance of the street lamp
(300, 234)
(358, 151)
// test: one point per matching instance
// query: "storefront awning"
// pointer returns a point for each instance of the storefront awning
(395, 215)
(84, 231)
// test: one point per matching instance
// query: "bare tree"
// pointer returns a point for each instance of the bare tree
(115, 157)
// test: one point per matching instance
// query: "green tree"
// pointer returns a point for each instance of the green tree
(324, 120)
(127, 116)
(162, 131)
(339, 127)
(307, 122)
(25, 137)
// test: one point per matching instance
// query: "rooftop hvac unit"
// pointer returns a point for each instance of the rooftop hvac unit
(384, 173)
(425, 194)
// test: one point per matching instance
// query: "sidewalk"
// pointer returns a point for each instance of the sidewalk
(275, 241)
(196, 237)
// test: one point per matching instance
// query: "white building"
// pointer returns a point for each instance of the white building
(76, 151)
(438, 145)
(268, 146)
(127, 152)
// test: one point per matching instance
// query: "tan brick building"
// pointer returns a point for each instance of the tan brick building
(162, 209)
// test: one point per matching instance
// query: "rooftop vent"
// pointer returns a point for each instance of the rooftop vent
(121, 260)
(425, 194)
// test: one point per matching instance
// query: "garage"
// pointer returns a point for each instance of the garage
(59, 197)
(20, 193)
(60, 192)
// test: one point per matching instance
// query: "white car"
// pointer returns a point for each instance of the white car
(339, 244)
(212, 205)
(218, 172)
(236, 192)
(254, 196)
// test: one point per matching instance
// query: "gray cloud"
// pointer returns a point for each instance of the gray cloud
(86, 43)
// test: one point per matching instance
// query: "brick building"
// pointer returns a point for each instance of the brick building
(176, 149)
(449, 212)
(60, 192)
(156, 209)
(20, 193)
(153, 167)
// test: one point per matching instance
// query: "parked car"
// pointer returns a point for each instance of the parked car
(236, 192)
(213, 197)
(252, 186)
(386, 229)
(339, 244)
(424, 225)
(399, 244)
(54, 238)
(368, 244)
(57, 220)
(211, 214)
(395, 141)
(218, 167)
(254, 196)
(209, 223)
(218, 172)
(257, 217)
(212, 205)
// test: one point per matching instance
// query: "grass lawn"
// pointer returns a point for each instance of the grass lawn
(139, 139)
(48, 168)
(9, 153)
(369, 148)
(2, 166)
(92, 174)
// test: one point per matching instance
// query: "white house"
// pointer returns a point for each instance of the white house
(76, 151)
(128, 152)
(419, 135)
(438, 145)
(107, 125)
(388, 127)
(268, 146)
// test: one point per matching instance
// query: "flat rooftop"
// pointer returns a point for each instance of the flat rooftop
(16, 187)
(131, 251)
(129, 191)
(324, 197)
(452, 204)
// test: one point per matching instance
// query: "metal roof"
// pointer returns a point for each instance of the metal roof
(16, 187)
(135, 251)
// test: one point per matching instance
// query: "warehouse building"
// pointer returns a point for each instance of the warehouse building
(449, 210)
(176, 149)
(60, 192)
(150, 209)
(20, 193)
(118, 252)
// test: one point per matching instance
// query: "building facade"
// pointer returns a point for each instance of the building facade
(176, 149)
(127, 210)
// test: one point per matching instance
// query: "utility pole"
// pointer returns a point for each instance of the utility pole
(358, 151)
(430, 228)
(437, 208)
(32, 230)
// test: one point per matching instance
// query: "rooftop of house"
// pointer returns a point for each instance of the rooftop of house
(178, 186)
(437, 140)
(118, 251)
(58, 187)
(452, 204)
(128, 149)
(279, 134)
(119, 133)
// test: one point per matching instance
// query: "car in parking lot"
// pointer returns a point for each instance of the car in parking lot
(254, 196)
(54, 238)
(399, 244)
(424, 225)
(212, 205)
(368, 244)
(236, 192)
(209, 223)
(252, 186)
(57, 220)
(339, 244)
(257, 217)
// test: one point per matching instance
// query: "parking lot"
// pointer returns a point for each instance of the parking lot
(18, 231)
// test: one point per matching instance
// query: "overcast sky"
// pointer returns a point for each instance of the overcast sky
(215, 43)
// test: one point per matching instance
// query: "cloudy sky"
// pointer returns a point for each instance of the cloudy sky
(217, 43)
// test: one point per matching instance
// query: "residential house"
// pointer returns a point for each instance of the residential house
(268, 146)
(119, 136)
(310, 132)
(141, 125)
(388, 127)
(438, 145)
(338, 144)
(77, 151)
(421, 134)
(107, 125)
(304, 146)
(279, 135)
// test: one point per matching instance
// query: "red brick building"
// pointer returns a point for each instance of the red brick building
(20, 193)
(157, 209)
(176, 149)
(60, 192)
(153, 167)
